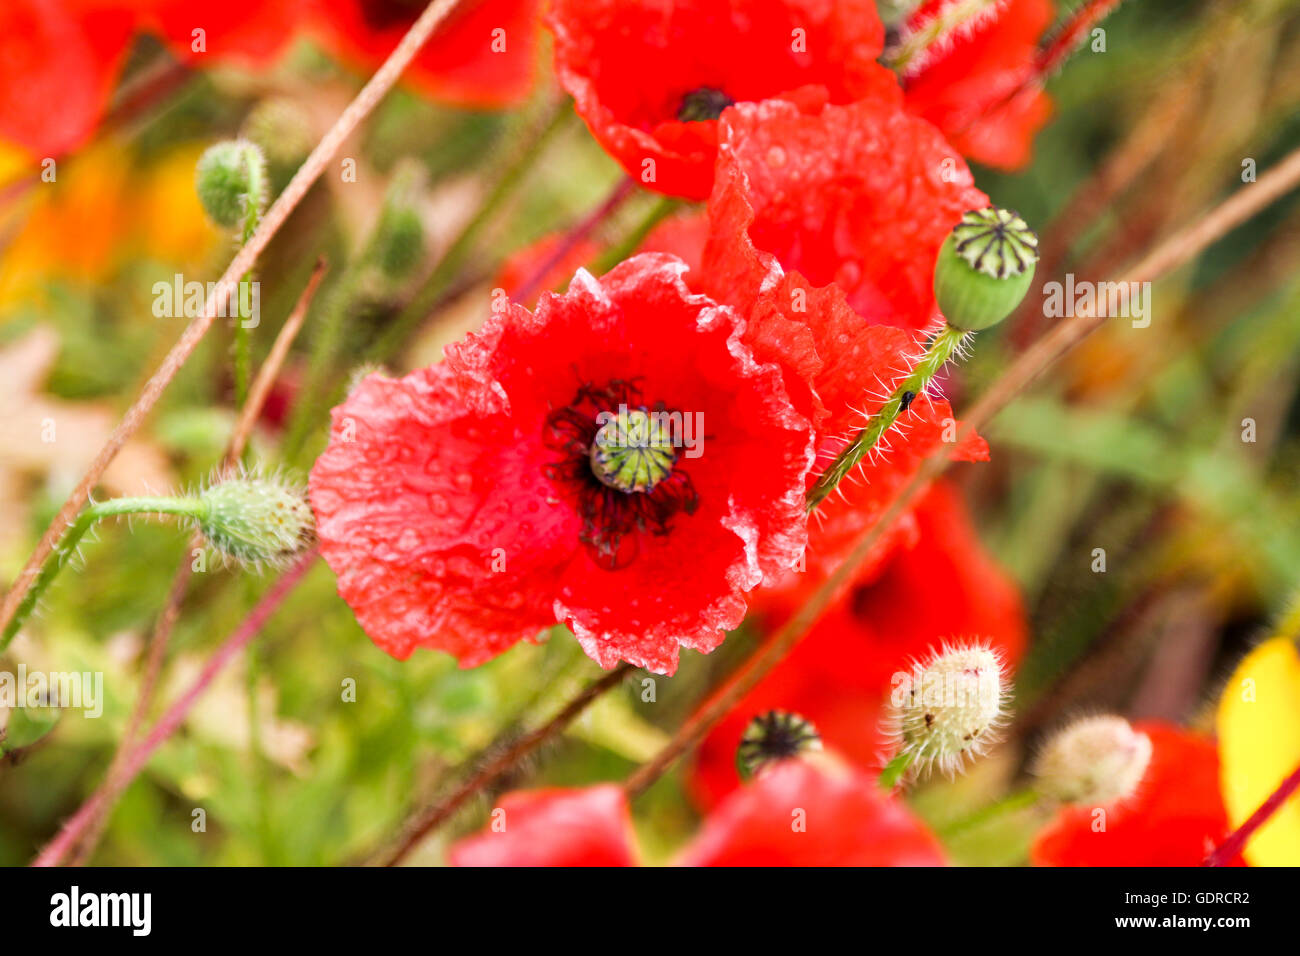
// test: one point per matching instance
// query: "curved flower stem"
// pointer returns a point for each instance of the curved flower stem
(1232, 847)
(102, 799)
(493, 769)
(361, 106)
(67, 546)
(941, 348)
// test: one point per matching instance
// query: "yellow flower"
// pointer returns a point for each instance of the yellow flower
(1259, 744)
(100, 210)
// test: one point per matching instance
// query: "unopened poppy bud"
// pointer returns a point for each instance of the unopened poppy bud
(283, 131)
(231, 179)
(950, 708)
(1095, 761)
(984, 268)
(772, 737)
(398, 243)
(255, 520)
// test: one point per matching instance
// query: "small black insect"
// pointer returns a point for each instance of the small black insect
(905, 401)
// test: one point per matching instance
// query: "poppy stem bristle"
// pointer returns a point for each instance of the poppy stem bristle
(918, 45)
(942, 347)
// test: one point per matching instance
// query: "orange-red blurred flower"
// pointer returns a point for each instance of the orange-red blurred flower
(59, 60)
(797, 813)
(1175, 818)
(651, 77)
(483, 55)
(805, 813)
(588, 826)
(970, 86)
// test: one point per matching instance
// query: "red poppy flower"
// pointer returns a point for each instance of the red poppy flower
(1176, 818)
(806, 813)
(940, 585)
(250, 33)
(480, 501)
(588, 826)
(824, 227)
(59, 61)
(963, 88)
(651, 77)
(482, 56)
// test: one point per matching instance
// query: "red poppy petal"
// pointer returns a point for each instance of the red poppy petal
(859, 196)
(59, 61)
(427, 553)
(590, 826)
(252, 33)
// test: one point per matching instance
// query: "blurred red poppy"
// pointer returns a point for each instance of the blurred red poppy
(970, 87)
(795, 813)
(651, 77)
(484, 55)
(248, 33)
(809, 813)
(59, 61)
(588, 826)
(1176, 817)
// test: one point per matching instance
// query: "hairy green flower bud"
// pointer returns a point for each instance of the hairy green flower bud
(255, 520)
(283, 131)
(231, 180)
(398, 243)
(950, 708)
(984, 268)
(1095, 761)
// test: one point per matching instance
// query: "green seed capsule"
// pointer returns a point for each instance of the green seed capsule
(774, 736)
(633, 451)
(984, 268)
